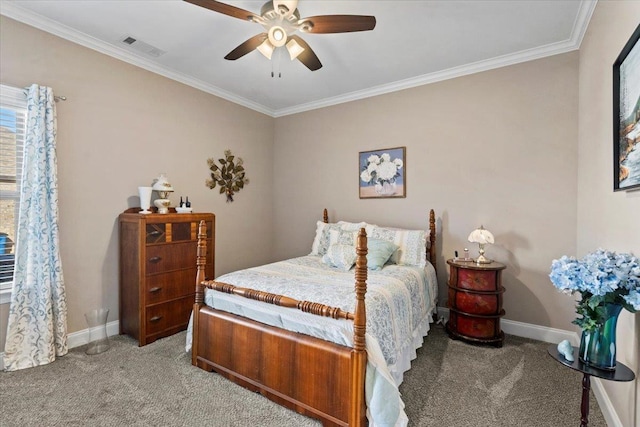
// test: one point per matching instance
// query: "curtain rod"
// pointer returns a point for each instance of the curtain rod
(26, 91)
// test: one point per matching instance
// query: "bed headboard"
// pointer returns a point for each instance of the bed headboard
(431, 244)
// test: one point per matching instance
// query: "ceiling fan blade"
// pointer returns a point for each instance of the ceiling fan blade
(225, 9)
(246, 47)
(325, 24)
(308, 56)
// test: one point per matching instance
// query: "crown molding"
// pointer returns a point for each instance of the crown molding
(580, 25)
(573, 43)
(13, 11)
(582, 21)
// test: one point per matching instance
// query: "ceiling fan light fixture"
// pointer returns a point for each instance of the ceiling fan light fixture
(266, 48)
(280, 20)
(294, 49)
(277, 36)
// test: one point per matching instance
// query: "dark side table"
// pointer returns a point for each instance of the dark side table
(622, 373)
(475, 302)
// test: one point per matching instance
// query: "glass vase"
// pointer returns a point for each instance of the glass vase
(598, 347)
(385, 188)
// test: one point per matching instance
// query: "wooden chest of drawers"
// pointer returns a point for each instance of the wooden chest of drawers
(475, 302)
(158, 271)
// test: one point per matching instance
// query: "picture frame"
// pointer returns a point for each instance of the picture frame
(382, 173)
(626, 116)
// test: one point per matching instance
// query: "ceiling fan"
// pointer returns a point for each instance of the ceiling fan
(280, 20)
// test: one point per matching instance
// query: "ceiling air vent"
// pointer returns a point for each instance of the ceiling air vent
(142, 47)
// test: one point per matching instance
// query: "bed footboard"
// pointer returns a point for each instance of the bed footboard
(303, 373)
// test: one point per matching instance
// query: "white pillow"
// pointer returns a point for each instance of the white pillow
(343, 237)
(412, 245)
(321, 242)
(352, 226)
(340, 256)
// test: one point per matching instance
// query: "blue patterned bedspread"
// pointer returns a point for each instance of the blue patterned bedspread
(398, 299)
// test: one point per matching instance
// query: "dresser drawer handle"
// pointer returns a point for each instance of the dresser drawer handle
(155, 318)
(156, 289)
(155, 232)
(155, 259)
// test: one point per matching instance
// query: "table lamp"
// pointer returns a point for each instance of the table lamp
(163, 187)
(481, 237)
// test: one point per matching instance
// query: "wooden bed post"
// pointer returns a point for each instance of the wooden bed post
(325, 216)
(359, 353)
(201, 261)
(432, 239)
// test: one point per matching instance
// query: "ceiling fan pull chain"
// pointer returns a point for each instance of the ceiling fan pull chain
(277, 61)
(275, 64)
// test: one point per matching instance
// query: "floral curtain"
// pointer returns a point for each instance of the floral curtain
(37, 327)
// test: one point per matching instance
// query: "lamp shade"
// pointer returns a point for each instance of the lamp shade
(482, 236)
(161, 183)
(266, 48)
(294, 49)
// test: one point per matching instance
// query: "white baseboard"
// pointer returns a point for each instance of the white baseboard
(540, 333)
(608, 411)
(77, 339)
(529, 330)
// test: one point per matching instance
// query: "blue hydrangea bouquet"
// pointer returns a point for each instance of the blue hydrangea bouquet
(602, 278)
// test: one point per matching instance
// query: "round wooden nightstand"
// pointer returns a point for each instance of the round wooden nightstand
(475, 302)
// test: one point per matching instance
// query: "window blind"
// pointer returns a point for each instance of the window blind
(13, 110)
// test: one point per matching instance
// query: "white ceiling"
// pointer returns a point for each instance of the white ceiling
(415, 42)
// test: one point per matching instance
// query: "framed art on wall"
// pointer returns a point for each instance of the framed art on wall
(382, 173)
(626, 116)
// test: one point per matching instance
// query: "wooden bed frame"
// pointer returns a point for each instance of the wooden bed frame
(314, 377)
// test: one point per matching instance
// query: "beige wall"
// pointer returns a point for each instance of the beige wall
(501, 148)
(607, 219)
(119, 128)
(497, 148)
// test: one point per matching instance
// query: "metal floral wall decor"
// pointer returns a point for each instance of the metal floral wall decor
(229, 176)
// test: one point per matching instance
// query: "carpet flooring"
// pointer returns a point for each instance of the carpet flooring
(450, 384)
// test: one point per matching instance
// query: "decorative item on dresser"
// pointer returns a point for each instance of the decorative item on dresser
(145, 199)
(320, 371)
(163, 187)
(157, 271)
(475, 302)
